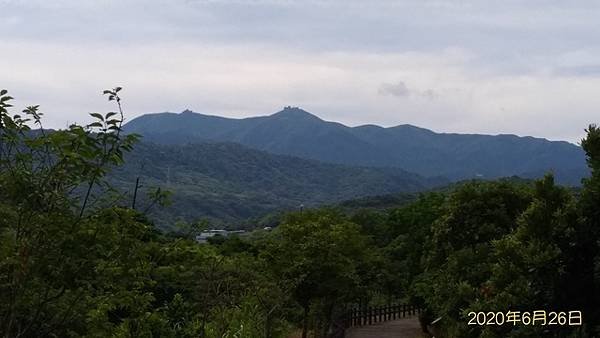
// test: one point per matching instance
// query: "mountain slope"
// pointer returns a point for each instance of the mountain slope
(298, 133)
(229, 182)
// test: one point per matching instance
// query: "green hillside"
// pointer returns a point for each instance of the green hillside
(228, 183)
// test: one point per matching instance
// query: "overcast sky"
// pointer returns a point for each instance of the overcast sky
(519, 67)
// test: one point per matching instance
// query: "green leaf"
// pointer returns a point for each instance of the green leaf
(98, 116)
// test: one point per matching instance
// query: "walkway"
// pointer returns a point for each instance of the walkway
(401, 328)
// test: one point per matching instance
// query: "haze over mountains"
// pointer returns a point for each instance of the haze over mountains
(296, 132)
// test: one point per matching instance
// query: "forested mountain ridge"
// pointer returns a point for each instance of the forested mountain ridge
(227, 182)
(296, 132)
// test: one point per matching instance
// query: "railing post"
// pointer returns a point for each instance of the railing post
(374, 314)
(361, 313)
(369, 315)
(365, 315)
(350, 318)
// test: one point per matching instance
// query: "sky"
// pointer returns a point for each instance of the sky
(493, 67)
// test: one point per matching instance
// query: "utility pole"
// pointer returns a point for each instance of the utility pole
(169, 177)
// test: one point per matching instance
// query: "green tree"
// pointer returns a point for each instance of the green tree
(326, 261)
(410, 231)
(585, 258)
(460, 253)
(60, 253)
(528, 265)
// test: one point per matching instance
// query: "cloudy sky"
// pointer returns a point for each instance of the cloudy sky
(519, 67)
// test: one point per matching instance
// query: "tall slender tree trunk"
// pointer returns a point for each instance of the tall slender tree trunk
(305, 322)
(135, 191)
(328, 325)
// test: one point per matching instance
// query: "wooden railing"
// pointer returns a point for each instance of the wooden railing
(372, 315)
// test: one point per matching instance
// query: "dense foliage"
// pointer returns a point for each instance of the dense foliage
(77, 258)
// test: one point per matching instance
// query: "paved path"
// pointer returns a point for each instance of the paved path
(401, 328)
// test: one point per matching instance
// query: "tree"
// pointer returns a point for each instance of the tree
(411, 231)
(460, 253)
(60, 253)
(528, 265)
(326, 261)
(585, 265)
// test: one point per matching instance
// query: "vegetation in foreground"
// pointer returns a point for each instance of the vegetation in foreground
(77, 259)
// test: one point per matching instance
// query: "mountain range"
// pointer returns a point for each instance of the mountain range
(295, 132)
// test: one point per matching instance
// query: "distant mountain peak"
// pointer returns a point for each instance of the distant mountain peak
(295, 113)
(411, 127)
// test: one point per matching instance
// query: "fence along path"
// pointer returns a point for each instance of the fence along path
(398, 321)
(400, 328)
